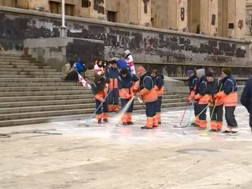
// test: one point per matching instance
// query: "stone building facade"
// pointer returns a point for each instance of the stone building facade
(223, 18)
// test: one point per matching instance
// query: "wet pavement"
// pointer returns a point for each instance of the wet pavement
(84, 154)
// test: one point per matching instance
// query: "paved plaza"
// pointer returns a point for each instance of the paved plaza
(80, 154)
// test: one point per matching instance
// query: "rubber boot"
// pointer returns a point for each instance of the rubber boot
(129, 119)
(149, 123)
(124, 119)
(214, 127)
(105, 117)
(116, 108)
(99, 118)
(155, 121)
(158, 115)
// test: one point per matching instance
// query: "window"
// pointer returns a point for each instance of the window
(111, 16)
(85, 3)
(55, 7)
(69, 10)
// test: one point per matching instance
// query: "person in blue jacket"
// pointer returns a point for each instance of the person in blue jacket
(246, 99)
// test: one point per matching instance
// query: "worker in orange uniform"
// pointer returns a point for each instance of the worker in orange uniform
(113, 98)
(216, 105)
(128, 84)
(100, 91)
(159, 87)
(201, 99)
(230, 98)
(192, 84)
(149, 97)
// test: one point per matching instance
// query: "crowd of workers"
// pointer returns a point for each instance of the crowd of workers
(115, 83)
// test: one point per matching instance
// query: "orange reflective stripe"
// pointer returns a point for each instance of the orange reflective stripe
(115, 83)
(124, 93)
(204, 99)
(99, 96)
(231, 99)
(150, 96)
(160, 92)
(111, 85)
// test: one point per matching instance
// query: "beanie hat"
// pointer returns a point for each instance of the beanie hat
(227, 71)
(200, 72)
(189, 73)
(209, 74)
(140, 70)
(124, 71)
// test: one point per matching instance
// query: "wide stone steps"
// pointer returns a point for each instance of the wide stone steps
(41, 98)
(41, 84)
(21, 66)
(14, 70)
(32, 92)
(29, 75)
(15, 106)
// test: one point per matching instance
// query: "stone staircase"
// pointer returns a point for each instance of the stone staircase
(32, 92)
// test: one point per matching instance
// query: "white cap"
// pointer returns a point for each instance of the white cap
(127, 52)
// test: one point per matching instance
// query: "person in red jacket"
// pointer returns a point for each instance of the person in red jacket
(100, 90)
(149, 97)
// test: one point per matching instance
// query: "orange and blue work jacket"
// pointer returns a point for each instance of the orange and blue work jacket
(201, 92)
(147, 90)
(159, 84)
(212, 90)
(127, 85)
(229, 92)
(99, 90)
(112, 74)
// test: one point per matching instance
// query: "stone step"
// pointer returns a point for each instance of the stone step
(43, 88)
(4, 105)
(21, 104)
(2, 69)
(29, 76)
(41, 84)
(81, 110)
(81, 95)
(28, 80)
(7, 58)
(25, 66)
(41, 98)
(41, 93)
(21, 62)
(11, 60)
(37, 73)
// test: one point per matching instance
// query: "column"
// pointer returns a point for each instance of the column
(209, 17)
(236, 18)
(178, 14)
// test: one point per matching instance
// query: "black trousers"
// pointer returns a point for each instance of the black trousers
(230, 117)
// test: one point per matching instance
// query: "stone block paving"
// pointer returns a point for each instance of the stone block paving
(83, 154)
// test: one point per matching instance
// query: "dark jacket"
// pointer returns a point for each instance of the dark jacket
(192, 82)
(246, 97)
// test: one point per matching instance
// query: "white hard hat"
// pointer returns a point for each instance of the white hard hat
(127, 52)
